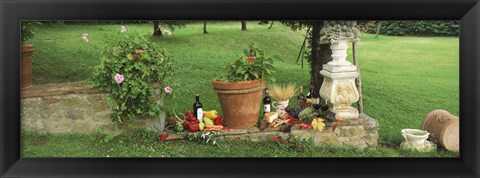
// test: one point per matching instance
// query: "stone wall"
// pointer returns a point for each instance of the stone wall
(73, 108)
(360, 133)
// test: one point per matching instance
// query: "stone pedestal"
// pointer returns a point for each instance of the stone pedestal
(338, 88)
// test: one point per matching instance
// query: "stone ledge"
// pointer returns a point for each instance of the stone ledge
(74, 108)
(361, 133)
(58, 89)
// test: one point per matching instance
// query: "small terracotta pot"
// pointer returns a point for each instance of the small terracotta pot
(26, 66)
(240, 102)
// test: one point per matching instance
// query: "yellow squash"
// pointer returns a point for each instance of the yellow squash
(213, 114)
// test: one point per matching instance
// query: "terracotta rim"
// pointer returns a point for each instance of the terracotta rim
(27, 48)
(218, 85)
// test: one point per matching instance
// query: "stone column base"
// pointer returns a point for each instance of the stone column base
(339, 90)
(345, 112)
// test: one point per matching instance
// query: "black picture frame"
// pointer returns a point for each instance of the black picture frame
(13, 11)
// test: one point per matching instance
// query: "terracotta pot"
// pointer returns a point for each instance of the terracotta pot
(240, 102)
(26, 66)
(444, 128)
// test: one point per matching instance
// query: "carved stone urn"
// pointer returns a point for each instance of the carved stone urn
(338, 88)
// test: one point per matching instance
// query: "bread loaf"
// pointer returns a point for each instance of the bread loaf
(270, 116)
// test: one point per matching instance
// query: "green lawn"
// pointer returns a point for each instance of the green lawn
(403, 78)
(144, 144)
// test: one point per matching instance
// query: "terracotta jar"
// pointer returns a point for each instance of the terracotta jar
(26, 66)
(240, 102)
(444, 129)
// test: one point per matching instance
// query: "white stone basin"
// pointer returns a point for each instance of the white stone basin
(415, 137)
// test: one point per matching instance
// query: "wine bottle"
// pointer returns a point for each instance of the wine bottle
(198, 108)
(266, 102)
(311, 96)
(316, 98)
(301, 97)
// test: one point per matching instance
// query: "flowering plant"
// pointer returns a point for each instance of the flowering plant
(136, 72)
(253, 64)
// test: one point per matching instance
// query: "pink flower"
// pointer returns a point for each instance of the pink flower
(119, 78)
(168, 90)
(251, 59)
(123, 29)
(85, 37)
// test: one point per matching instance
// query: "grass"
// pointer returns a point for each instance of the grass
(403, 78)
(144, 144)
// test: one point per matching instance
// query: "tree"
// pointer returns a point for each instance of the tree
(265, 22)
(156, 28)
(319, 38)
(244, 25)
(379, 25)
(271, 25)
(205, 27)
(171, 25)
(319, 53)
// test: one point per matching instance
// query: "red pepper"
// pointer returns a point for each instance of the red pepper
(219, 121)
(292, 120)
(192, 119)
(193, 127)
(189, 114)
(163, 137)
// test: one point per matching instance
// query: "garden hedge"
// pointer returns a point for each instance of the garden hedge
(417, 28)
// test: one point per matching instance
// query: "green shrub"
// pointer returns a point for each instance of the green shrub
(26, 31)
(130, 65)
(418, 28)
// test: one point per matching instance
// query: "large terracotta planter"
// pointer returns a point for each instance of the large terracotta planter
(26, 66)
(240, 102)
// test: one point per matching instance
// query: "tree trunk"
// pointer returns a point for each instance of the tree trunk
(244, 26)
(320, 54)
(271, 25)
(379, 25)
(156, 29)
(205, 27)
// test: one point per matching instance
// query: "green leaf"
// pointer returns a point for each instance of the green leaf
(255, 74)
(129, 56)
